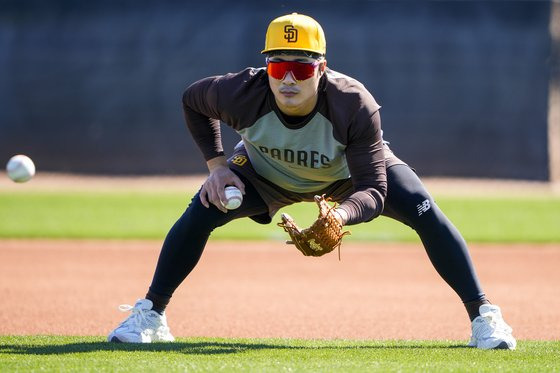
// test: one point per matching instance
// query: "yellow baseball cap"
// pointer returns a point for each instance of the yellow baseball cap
(295, 32)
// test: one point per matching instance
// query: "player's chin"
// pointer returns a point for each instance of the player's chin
(292, 102)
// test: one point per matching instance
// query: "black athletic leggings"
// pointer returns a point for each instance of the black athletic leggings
(407, 201)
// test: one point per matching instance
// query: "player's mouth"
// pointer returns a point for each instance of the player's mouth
(288, 92)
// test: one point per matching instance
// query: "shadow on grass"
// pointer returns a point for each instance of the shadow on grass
(193, 348)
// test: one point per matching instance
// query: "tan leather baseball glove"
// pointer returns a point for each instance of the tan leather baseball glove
(322, 237)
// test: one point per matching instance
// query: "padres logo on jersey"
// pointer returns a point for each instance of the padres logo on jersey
(239, 160)
(303, 158)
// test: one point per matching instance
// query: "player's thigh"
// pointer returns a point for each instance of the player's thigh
(201, 217)
(407, 198)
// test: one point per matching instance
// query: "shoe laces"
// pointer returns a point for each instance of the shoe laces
(137, 319)
(493, 323)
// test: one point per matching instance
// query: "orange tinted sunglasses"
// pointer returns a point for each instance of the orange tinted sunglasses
(301, 70)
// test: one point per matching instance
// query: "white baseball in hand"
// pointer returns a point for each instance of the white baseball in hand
(233, 198)
(20, 168)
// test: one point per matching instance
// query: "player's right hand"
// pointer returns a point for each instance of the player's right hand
(212, 190)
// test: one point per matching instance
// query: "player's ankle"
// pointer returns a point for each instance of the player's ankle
(160, 302)
(473, 306)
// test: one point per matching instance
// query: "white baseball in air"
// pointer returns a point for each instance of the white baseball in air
(233, 198)
(20, 168)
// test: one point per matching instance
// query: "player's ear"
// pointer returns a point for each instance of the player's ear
(323, 66)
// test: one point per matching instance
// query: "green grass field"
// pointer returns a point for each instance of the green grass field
(149, 215)
(61, 354)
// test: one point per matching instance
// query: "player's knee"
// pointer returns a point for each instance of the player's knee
(423, 205)
(420, 209)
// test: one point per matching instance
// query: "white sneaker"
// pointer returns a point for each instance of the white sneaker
(142, 326)
(490, 331)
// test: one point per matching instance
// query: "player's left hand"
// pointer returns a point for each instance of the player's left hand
(322, 237)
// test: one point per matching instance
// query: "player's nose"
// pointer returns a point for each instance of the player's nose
(289, 78)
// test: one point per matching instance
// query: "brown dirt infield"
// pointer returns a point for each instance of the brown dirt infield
(256, 289)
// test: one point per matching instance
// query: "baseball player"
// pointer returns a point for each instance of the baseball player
(306, 131)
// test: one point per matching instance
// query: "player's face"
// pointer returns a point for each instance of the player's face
(294, 81)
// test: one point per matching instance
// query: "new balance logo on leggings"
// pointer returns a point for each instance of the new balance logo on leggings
(423, 207)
